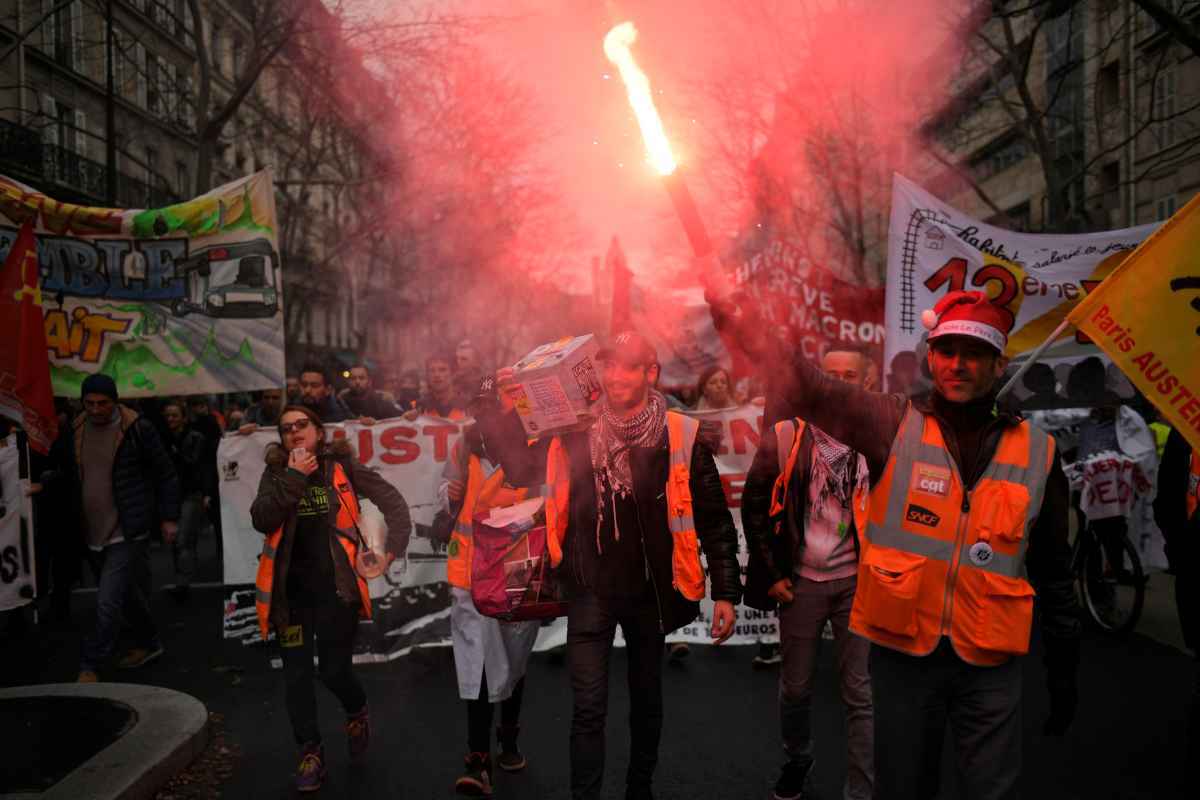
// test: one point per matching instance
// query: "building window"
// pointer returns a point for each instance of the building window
(183, 184)
(151, 172)
(1109, 87)
(1164, 108)
(1165, 207)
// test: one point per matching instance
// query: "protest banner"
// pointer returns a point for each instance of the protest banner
(411, 601)
(1146, 317)
(184, 299)
(933, 249)
(17, 570)
(815, 308)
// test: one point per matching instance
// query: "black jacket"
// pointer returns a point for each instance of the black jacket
(187, 451)
(279, 492)
(524, 465)
(145, 486)
(771, 554)
(372, 404)
(1182, 534)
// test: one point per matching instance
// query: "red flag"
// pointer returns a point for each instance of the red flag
(25, 392)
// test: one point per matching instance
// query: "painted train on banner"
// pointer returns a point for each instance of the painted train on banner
(411, 602)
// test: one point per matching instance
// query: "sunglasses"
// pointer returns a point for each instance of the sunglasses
(299, 425)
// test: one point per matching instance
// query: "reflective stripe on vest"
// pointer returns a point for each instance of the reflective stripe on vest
(788, 435)
(1193, 495)
(940, 561)
(347, 524)
(686, 570)
(483, 494)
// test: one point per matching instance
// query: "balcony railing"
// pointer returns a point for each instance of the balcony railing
(23, 152)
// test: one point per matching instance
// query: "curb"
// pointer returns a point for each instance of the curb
(171, 730)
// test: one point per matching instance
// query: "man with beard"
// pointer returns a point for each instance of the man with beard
(317, 394)
(642, 495)
(442, 399)
(363, 400)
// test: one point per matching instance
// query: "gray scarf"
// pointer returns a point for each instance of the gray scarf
(610, 441)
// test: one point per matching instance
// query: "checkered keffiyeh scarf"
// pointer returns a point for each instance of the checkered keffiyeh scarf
(610, 441)
(843, 472)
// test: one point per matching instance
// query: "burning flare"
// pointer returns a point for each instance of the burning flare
(637, 85)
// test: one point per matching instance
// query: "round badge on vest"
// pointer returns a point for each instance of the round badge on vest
(981, 554)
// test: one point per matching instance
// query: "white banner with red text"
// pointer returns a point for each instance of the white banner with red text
(17, 571)
(411, 601)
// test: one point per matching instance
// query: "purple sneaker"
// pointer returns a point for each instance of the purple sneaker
(358, 733)
(311, 772)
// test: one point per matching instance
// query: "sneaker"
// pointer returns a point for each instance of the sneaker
(768, 656)
(795, 783)
(476, 780)
(87, 676)
(140, 657)
(358, 733)
(311, 772)
(510, 758)
(678, 651)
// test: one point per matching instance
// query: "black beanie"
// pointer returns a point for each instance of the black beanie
(98, 383)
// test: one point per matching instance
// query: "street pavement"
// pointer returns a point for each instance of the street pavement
(720, 738)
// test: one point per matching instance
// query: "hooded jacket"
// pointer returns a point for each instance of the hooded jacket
(279, 492)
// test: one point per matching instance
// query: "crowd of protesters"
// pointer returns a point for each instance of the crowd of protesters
(844, 512)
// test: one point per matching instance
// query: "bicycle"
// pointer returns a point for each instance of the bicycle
(1111, 580)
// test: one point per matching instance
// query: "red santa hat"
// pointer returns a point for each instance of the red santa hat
(968, 314)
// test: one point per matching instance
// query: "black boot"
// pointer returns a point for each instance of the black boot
(476, 780)
(510, 758)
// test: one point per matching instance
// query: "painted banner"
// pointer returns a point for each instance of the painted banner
(17, 570)
(1146, 316)
(411, 602)
(185, 299)
(814, 306)
(934, 248)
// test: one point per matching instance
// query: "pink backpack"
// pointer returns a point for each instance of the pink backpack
(511, 577)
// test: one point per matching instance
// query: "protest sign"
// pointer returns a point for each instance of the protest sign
(933, 249)
(411, 601)
(812, 306)
(184, 299)
(17, 576)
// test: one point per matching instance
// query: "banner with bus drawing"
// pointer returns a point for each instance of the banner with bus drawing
(184, 299)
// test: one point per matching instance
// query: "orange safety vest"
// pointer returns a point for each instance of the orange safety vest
(788, 434)
(347, 524)
(1193, 494)
(941, 561)
(686, 569)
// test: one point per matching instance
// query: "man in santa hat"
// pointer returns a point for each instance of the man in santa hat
(965, 516)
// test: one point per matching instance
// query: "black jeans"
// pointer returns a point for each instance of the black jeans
(479, 715)
(915, 697)
(333, 624)
(591, 625)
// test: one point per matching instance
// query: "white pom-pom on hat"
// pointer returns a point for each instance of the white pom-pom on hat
(929, 319)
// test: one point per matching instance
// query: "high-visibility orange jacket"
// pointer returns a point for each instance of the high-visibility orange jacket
(941, 561)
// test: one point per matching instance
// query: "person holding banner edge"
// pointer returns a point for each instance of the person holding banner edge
(310, 586)
(629, 546)
(942, 588)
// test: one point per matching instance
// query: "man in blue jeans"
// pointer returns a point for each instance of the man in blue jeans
(127, 486)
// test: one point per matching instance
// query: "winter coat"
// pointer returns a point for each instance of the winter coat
(279, 492)
(525, 465)
(145, 486)
(187, 454)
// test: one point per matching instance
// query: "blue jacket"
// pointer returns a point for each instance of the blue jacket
(145, 486)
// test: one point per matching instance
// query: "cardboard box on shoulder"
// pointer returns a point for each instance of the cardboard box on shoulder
(559, 386)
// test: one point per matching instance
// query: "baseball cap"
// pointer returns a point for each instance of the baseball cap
(628, 347)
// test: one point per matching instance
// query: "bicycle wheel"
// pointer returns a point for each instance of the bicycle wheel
(1113, 591)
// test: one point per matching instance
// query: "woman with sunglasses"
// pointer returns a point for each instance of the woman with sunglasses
(312, 575)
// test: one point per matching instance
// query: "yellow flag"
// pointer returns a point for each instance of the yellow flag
(1146, 317)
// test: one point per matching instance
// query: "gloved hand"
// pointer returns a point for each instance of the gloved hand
(1062, 663)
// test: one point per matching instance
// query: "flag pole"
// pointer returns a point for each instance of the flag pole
(1033, 357)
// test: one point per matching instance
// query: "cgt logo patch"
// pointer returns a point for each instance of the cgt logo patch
(930, 479)
(921, 516)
